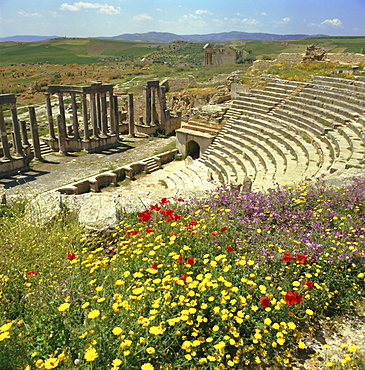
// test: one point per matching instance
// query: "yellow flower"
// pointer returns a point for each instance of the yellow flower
(116, 362)
(150, 350)
(6, 327)
(156, 330)
(281, 341)
(93, 314)
(275, 325)
(4, 336)
(147, 366)
(86, 304)
(51, 363)
(117, 330)
(267, 321)
(353, 348)
(138, 291)
(125, 344)
(309, 312)
(291, 325)
(302, 345)
(91, 354)
(64, 307)
(99, 288)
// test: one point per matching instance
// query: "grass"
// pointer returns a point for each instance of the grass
(221, 283)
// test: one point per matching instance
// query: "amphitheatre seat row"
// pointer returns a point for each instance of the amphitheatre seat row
(290, 131)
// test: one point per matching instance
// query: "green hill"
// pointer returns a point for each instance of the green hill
(86, 51)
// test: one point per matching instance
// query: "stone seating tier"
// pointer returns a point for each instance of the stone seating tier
(289, 131)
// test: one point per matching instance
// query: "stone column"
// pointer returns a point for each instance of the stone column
(130, 115)
(34, 132)
(16, 131)
(4, 136)
(111, 111)
(116, 116)
(23, 130)
(49, 116)
(62, 110)
(75, 122)
(98, 111)
(61, 126)
(153, 106)
(162, 103)
(93, 115)
(147, 93)
(85, 118)
(104, 115)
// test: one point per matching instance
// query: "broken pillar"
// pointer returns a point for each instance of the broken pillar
(23, 130)
(61, 126)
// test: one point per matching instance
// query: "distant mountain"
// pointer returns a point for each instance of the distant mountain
(212, 37)
(165, 37)
(26, 38)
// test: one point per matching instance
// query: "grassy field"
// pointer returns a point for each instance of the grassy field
(28, 68)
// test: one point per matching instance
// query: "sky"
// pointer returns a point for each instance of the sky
(106, 18)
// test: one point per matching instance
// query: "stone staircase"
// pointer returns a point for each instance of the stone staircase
(45, 149)
(152, 165)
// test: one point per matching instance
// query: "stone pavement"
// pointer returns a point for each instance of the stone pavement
(58, 170)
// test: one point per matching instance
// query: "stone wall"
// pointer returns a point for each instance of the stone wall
(178, 83)
(296, 58)
(346, 58)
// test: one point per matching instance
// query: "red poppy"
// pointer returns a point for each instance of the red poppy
(133, 232)
(193, 222)
(301, 258)
(183, 278)
(156, 207)
(30, 273)
(292, 298)
(308, 284)
(164, 201)
(223, 229)
(190, 261)
(167, 219)
(144, 216)
(229, 249)
(71, 256)
(180, 259)
(214, 233)
(173, 234)
(265, 301)
(287, 257)
(167, 212)
(149, 230)
(180, 200)
(154, 266)
(176, 217)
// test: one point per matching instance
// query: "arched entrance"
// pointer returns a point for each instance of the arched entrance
(193, 149)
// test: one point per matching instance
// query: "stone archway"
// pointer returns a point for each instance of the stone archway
(193, 149)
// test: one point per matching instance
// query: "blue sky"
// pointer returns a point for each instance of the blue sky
(114, 17)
